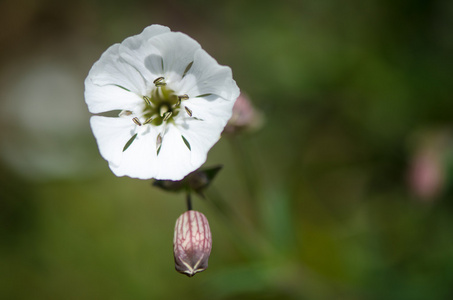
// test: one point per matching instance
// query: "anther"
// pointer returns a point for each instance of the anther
(125, 113)
(158, 143)
(183, 97)
(136, 121)
(159, 81)
(149, 120)
(188, 111)
(167, 115)
(147, 100)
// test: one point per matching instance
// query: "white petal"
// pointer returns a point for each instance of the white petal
(212, 109)
(109, 97)
(212, 113)
(136, 41)
(175, 159)
(140, 51)
(201, 136)
(147, 60)
(139, 160)
(178, 50)
(111, 135)
(111, 69)
(165, 54)
(206, 76)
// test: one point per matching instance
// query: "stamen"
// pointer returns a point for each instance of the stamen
(188, 111)
(183, 97)
(167, 115)
(136, 121)
(125, 113)
(147, 100)
(158, 143)
(159, 81)
(149, 120)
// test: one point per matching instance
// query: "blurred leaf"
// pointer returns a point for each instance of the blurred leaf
(196, 181)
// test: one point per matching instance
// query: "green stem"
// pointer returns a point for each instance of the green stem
(189, 201)
(246, 167)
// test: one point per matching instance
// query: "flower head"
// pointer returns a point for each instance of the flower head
(192, 243)
(173, 100)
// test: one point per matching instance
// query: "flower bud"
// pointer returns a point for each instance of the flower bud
(192, 243)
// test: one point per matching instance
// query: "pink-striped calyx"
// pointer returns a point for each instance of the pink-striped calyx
(192, 243)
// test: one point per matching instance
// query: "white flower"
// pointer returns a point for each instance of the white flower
(174, 98)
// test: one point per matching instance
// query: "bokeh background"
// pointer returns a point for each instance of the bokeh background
(343, 192)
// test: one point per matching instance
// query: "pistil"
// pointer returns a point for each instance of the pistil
(163, 110)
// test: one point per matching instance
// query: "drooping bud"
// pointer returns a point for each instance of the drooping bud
(192, 243)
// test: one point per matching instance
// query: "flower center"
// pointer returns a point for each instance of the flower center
(161, 106)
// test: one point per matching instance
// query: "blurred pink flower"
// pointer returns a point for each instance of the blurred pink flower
(426, 175)
(245, 117)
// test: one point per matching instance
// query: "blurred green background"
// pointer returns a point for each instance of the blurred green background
(343, 193)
